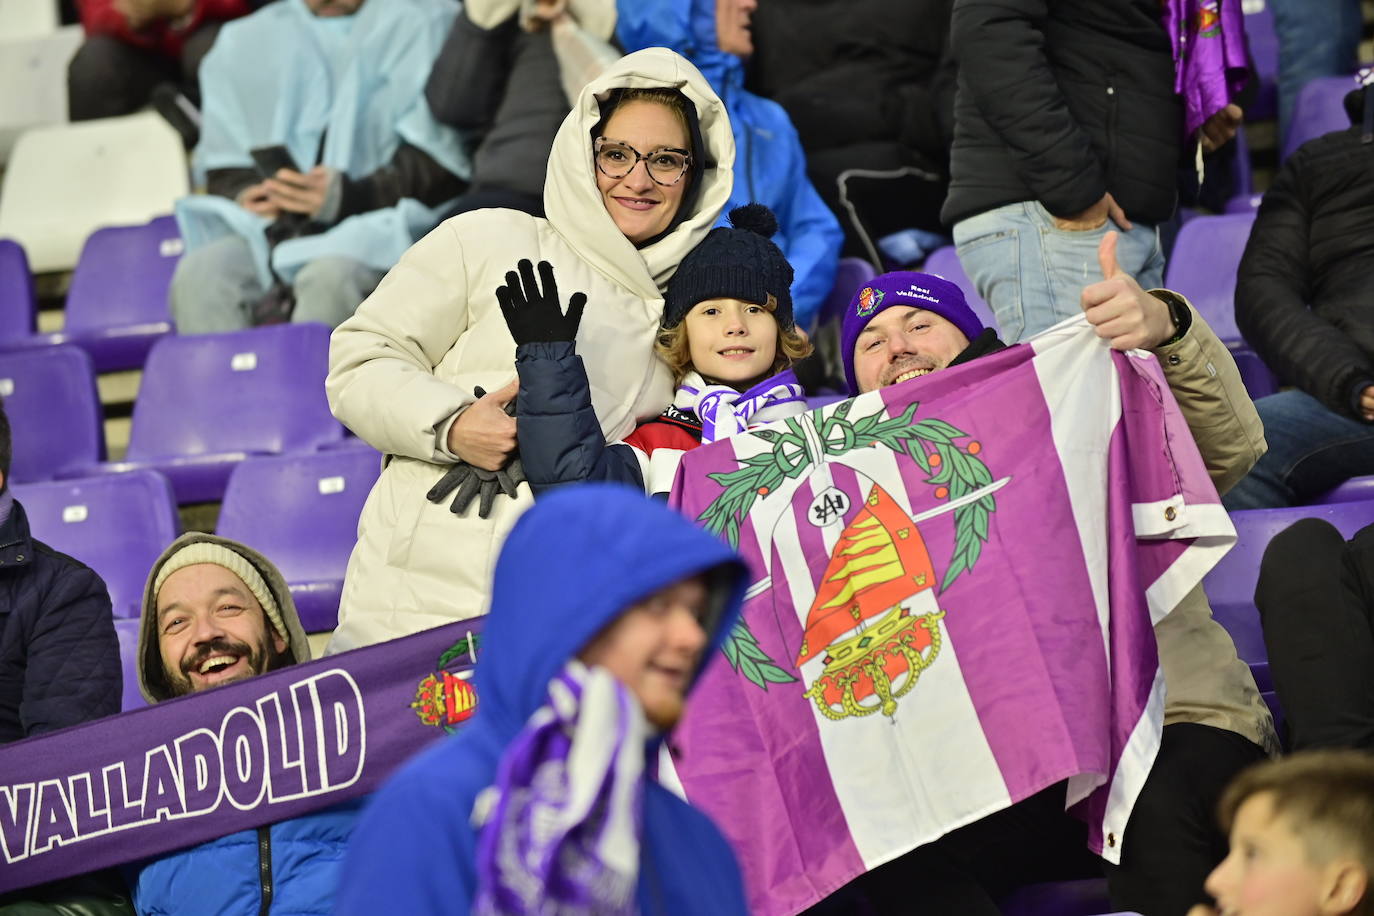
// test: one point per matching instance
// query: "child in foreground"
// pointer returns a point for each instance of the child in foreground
(727, 333)
(1302, 838)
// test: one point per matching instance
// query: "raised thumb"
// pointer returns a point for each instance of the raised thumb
(507, 394)
(1106, 256)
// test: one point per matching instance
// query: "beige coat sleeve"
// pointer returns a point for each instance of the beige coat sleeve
(1207, 385)
(382, 382)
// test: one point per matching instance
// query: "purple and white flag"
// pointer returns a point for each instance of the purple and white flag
(956, 581)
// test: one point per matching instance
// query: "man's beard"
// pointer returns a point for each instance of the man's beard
(906, 364)
(262, 659)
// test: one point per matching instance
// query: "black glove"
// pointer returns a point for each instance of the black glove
(471, 481)
(534, 317)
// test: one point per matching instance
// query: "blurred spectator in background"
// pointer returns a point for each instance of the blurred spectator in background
(59, 656)
(500, 75)
(1316, 38)
(1066, 127)
(134, 46)
(214, 613)
(870, 90)
(321, 158)
(546, 801)
(1303, 302)
(770, 167)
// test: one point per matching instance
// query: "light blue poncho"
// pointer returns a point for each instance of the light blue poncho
(286, 76)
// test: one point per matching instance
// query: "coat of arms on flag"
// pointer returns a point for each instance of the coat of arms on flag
(874, 623)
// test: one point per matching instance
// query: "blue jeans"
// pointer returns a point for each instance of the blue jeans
(1311, 450)
(1316, 38)
(1031, 273)
(214, 288)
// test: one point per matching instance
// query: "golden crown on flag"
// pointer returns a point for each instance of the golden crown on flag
(879, 563)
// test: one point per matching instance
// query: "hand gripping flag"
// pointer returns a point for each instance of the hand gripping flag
(955, 584)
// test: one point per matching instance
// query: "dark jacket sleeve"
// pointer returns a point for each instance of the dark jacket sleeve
(1273, 290)
(72, 670)
(412, 172)
(469, 76)
(560, 436)
(1000, 46)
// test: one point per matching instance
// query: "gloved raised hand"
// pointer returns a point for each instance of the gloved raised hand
(534, 316)
(471, 481)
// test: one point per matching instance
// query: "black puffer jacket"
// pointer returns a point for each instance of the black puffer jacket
(851, 72)
(1061, 101)
(1305, 289)
(59, 656)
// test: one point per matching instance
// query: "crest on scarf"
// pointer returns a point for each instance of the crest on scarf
(869, 299)
(444, 698)
(873, 624)
(1208, 19)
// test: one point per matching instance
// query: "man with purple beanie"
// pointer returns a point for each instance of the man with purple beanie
(904, 325)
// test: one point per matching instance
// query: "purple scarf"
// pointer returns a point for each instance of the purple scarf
(560, 829)
(1209, 55)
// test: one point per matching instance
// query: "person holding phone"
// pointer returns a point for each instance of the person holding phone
(321, 159)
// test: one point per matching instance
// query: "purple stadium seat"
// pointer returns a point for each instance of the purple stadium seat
(1230, 586)
(17, 303)
(301, 512)
(944, 262)
(1318, 110)
(850, 275)
(209, 401)
(117, 303)
(1203, 265)
(1353, 490)
(1085, 897)
(54, 410)
(1264, 49)
(115, 524)
(127, 631)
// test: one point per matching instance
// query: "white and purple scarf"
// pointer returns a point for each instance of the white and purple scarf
(560, 829)
(724, 412)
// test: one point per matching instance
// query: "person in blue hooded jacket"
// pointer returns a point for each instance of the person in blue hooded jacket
(770, 167)
(545, 802)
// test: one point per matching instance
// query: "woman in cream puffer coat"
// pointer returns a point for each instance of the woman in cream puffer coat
(405, 366)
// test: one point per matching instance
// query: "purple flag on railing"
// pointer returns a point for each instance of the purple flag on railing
(1210, 66)
(206, 765)
(956, 580)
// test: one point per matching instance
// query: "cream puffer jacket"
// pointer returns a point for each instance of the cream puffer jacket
(405, 365)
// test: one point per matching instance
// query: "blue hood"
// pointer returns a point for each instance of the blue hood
(685, 26)
(569, 567)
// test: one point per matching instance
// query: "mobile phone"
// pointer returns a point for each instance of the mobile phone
(269, 159)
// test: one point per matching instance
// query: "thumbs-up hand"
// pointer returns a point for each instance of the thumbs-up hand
(484, 434)
(1120, 311)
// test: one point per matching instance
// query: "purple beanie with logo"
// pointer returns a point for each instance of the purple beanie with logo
(907, 288)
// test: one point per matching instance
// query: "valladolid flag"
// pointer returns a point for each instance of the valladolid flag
(956, 580)
(203, 766)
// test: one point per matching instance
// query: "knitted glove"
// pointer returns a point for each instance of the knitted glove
(534, 317)
(472, 481)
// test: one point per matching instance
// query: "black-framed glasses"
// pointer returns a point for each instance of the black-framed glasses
(616, 159)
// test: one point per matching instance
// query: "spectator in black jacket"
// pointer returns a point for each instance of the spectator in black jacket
(873, 107)
(1303, 301)
(59, 656)
(1065, 122)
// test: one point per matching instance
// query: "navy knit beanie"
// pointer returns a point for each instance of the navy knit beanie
(733, 263)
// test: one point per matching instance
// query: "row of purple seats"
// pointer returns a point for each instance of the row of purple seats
(116, 306)
(301, 511)
(1319, 109)
(205, 404)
